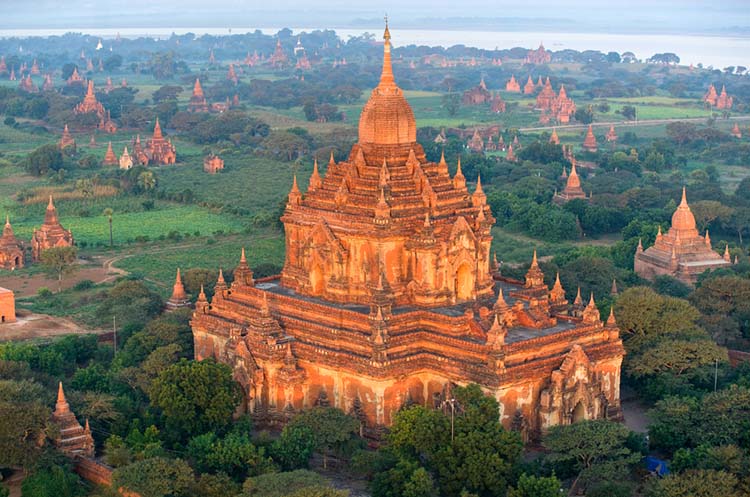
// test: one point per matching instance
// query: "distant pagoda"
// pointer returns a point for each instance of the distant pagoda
(72, 439)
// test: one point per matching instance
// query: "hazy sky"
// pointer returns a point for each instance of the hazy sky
(587, 15)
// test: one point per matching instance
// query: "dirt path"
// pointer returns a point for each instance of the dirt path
(29, 326)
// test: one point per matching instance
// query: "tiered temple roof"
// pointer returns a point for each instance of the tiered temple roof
(387, 296)
(110, 159)
(529, 87)
(66, 140)
(90, 103)
(589, 142)
(158, 150)
(198, 101)
(477, 95)
(681, 253)
(179, 298)
(73, 439)
(278, 58)
(11, 250)
(572, 188)
(125, 161)
(538, 56)
(512, 85)
(611, 134)
(51, 234)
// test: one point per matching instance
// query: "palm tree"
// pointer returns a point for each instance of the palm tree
(108, 212)
(147, 180)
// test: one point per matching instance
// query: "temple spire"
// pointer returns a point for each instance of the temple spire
(683, 202)
(386, 76)
(157, 130)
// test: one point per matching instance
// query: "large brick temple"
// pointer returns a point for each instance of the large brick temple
(388, 297)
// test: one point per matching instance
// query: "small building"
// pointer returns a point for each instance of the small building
(512, 85)
(51, 234)
(477, 95)
(11, 249)
(213, 164)
(572, 188)
(126, 161)
(67, 140)
(179, 298)
(198, 101)
(72, 439)
(589, 143)
(7, 306)
(110, 159)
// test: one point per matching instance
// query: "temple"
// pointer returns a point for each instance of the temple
(477, 95)
(682, 253)
(212, 164)
(179, 298)
(558, 107)
(553, 138)
(158, 150)
(125, 161)
(27, 85)
(198, 101)
(7, 306)
(589, 142)
(90, 103)
(50, 235)
(512, 85)
(538, 56)
(611, 135)
(110, 159)
(11, 250)
(67, 140)
(529, 87)
(736, 131)
(72, 439)
(278, 58)
(75, 78)
(572, 188)
(387, 297)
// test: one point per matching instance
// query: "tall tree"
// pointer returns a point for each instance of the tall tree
(59, 262)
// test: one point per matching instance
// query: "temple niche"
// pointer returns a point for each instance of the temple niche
(681, 253)
(388, 296)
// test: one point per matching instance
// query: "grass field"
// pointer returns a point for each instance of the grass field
(264, 246)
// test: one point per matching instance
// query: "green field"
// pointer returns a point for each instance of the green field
(263, 246)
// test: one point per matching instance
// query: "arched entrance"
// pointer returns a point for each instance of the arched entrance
(464, 282)
(317, 283)
(579, 412)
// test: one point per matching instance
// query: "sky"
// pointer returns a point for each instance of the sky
(669, 16)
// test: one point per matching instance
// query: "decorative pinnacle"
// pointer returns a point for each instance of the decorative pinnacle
(684, 197)
(242, 256)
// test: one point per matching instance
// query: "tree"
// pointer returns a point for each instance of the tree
(147, 180)
(676, 356)
(596, 448)
(59, 262)
(282, 484)
(706, 483)
(451, 102)
(196, 396)
(724, 302)
(707, 211)
(219, 485)
(332, 429)
(155, 477)
(44, 159)
(628, 112)
(108, 213)
(23, 423)
(293, 449)
(54, 480)
(234, 455)
(536, 486)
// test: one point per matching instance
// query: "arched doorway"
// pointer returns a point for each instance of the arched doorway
(317, 283)
(464, 282)
(579, 412)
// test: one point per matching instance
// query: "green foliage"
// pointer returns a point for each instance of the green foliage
(706, 483)
(59, 261)
(195, 396)
(333, 431)
(54, 480)
(536, 486)
(724, 303)
(169, 334)
(131, 302)
(719, 418)
(294, 447)
(44, 159)
(596, 447)
(282, 484)
(156, 477)
(234, 455)
(23, 422)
